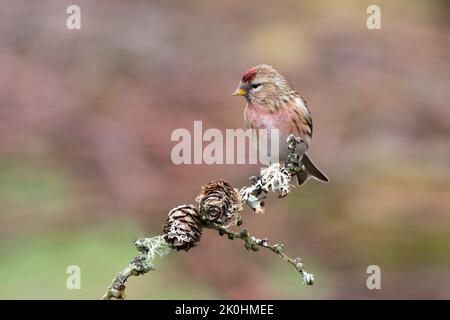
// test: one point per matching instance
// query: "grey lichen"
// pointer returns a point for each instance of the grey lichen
(149, 249)
(276, 178)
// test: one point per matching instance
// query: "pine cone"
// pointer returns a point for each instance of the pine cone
(183, 227)
(219, 202)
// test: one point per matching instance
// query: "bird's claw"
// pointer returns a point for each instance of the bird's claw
(293, 141)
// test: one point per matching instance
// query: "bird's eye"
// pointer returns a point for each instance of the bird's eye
(256, 85)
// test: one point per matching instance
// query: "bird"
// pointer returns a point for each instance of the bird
(272, 103)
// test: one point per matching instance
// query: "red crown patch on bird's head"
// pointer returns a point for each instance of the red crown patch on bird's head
(249, 74)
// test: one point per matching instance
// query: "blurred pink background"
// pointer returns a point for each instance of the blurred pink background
(86, 118)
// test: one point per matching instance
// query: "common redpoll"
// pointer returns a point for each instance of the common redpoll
(273, 104)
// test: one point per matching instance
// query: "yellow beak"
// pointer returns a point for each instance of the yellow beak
(239, 92)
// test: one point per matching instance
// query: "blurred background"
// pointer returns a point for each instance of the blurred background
(86, 118)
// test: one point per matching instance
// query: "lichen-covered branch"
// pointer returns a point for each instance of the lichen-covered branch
(149, 249)
(275, 178)
(217, 207)
(253, 243)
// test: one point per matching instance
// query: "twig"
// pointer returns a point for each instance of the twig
(275, 178)
(253, 243)
(148, 248)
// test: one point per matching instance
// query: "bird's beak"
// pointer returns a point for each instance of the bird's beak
(239, 92)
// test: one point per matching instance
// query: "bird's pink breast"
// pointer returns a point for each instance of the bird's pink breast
(260, 118)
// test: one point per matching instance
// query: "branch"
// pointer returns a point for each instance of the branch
(275, 178)
(253, 243)
(217, 207)
(149, 249)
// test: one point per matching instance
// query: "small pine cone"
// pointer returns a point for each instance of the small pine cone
(183, 227)
(219, 202)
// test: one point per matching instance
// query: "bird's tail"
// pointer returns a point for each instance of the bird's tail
(311, 171)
